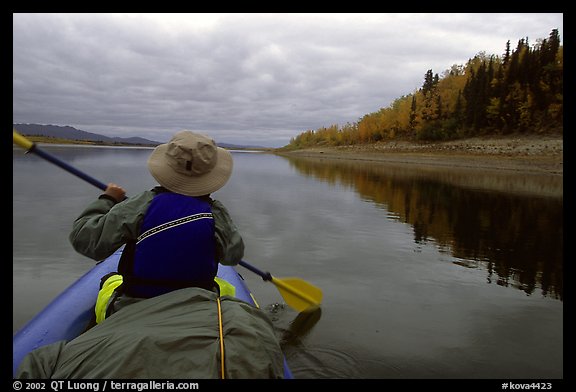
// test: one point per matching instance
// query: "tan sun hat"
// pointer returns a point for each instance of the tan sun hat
(190, 164)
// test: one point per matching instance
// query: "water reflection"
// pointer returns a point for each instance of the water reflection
(300, 327)
(509, 224)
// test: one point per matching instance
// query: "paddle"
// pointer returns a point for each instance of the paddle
(30, 146)
(298, 294)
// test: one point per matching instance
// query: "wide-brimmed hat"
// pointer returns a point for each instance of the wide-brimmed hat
(190, 164)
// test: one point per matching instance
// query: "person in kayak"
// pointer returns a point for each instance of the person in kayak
(162, 316)
(175, 234)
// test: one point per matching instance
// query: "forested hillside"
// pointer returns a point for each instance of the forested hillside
(520, 91)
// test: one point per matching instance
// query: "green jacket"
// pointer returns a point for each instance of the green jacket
(172, 336)
(104, 226)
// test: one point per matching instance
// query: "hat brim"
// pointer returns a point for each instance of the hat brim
(187, 185)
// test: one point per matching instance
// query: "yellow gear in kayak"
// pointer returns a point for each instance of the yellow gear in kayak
(226, 288)
(104, 295)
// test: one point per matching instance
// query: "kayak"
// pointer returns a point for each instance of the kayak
(68, 315)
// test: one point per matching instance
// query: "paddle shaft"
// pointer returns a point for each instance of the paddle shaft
(263, 275)
(67, 167)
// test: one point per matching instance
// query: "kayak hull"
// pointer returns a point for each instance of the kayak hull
(68, 315)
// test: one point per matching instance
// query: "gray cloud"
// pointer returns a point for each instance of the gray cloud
(240, 78)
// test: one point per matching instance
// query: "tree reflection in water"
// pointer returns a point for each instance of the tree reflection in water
(508, 223)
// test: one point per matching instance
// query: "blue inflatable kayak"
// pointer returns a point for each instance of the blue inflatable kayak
(67, 315)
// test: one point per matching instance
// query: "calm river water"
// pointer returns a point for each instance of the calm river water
(426, 273)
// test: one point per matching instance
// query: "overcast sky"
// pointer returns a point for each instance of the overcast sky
(239, 78)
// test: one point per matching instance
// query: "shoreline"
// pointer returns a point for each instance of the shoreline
(522, 154)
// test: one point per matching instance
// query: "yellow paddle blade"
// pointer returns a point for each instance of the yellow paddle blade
(298, 294)
(21, 140)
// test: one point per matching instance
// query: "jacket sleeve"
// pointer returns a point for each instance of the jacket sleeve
(229, 243)
(105, 226)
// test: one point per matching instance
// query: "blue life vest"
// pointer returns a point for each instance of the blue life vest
(176, 248)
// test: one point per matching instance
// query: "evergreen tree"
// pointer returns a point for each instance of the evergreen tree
(428, 82)
(506, 54)
(412, 121)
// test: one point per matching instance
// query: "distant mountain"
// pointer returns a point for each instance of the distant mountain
(67, 132)
(71, 133)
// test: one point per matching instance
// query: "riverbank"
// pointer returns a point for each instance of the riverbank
(57, 140)
(534, 154)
